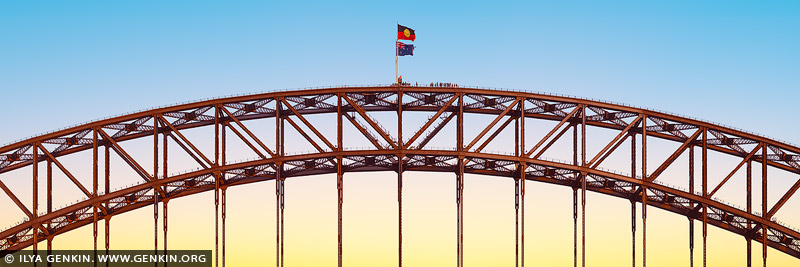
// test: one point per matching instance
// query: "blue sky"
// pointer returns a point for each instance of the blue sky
(732, 62)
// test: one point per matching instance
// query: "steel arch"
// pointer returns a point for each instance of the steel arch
(353, 105)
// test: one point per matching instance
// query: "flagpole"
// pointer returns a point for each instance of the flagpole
(396, 67)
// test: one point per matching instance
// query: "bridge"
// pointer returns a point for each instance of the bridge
(469, 119)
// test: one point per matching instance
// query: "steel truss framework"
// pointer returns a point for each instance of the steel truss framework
(353, 105)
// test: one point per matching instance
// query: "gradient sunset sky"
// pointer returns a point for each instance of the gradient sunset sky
(735, 63)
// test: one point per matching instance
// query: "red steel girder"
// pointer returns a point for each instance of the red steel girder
(673, 157)
(489, 127)
(547, 136)
(494, 134)
(309, 125)
(372, 123)
(430, 121)
(65, 171)
(608, 149)
(16, 200)
(363, 130)
(435, 130)
(675, 119)
(783, 199)
(125, 156)
(247, 142)
(249, 133)
(186, 141)
(744, 160)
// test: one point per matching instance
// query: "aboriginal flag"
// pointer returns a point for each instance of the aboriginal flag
(405, 49)
(405, 33)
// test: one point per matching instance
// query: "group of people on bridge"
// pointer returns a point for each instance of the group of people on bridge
(444, 85)
(433, 84)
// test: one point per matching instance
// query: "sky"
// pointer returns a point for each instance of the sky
(734, 63)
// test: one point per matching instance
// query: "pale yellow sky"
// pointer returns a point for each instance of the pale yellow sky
(370, 226)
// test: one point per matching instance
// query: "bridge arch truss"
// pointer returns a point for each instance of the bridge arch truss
(354, 106)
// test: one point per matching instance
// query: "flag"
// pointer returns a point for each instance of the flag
(405, 33)
(405, 49)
